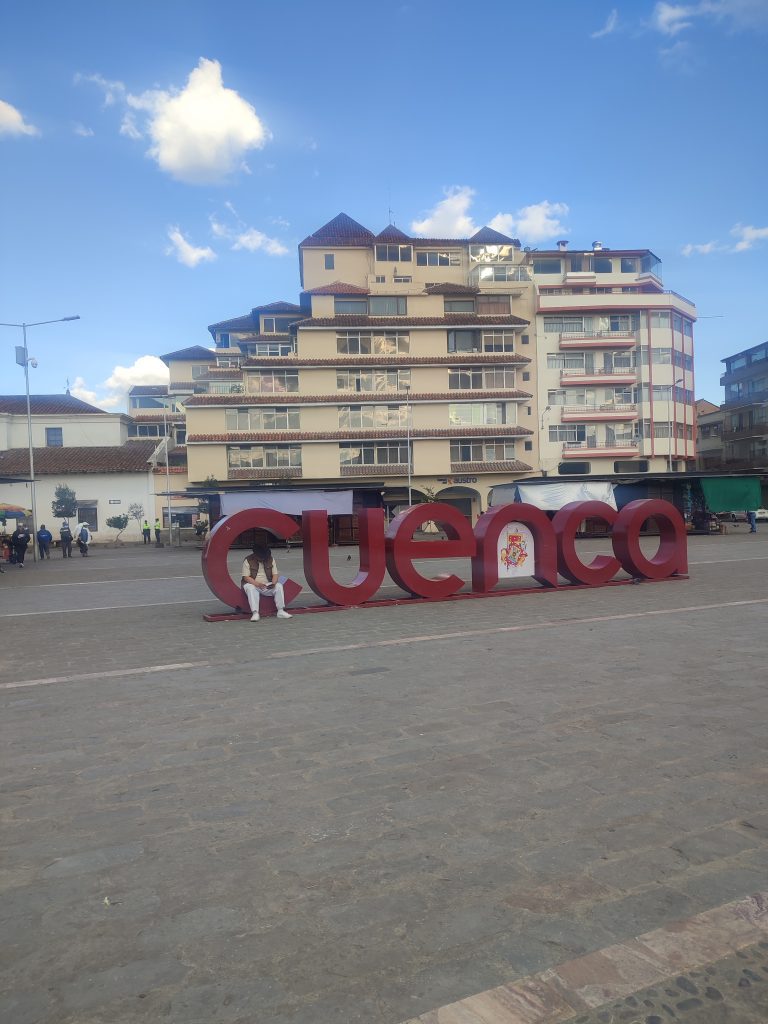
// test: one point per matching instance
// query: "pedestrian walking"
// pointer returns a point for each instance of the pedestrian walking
(146, 532)
(157, 531)
(44, 538)
(84, 537)
(752, 520)
(20, 538)
(65, 536)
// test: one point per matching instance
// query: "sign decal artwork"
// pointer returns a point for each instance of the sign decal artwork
(508, 542)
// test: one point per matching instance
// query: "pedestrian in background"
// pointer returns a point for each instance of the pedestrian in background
(44, 538)
(146, 533)
(752, 520)
(20, 538)
(84, 537)
(65, 536)
(157, 531)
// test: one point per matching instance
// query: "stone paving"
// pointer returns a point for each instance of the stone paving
(317, 822)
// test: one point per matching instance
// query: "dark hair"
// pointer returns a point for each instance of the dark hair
(262, 552)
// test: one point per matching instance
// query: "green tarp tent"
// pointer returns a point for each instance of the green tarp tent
(731, 494)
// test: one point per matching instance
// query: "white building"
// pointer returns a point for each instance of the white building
(58, 421)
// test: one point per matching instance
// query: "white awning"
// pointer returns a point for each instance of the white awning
(292, 503)
(552, 496)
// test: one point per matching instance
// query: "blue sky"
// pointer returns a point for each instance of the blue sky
(159, 162)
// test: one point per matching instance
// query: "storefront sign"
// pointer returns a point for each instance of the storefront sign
(507, 541)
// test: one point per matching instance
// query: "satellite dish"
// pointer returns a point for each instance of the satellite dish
(527, 248)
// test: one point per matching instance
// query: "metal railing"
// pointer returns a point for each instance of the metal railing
(575, 410)
(598, 445)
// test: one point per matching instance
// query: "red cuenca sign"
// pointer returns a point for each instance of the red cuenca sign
(515, 539)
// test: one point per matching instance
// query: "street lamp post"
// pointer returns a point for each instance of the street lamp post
(22, 357)
(407, 389)
(167, 477)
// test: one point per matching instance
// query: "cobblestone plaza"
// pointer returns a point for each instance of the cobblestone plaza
(372, 814)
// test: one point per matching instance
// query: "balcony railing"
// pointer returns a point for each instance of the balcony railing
(600, 446)
(568, 335)
(609, 408)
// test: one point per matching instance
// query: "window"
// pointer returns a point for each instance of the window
(504, 272)
(568, 433)
(688, 328)
(222, 339)
(602, 264)
(381, 279)
(387, 305)
(383, 343)
(475, 378)
(547, 266)
(526, 339)
(528, 446)
(480, 414)
(266, 418)
(565, 360)
(392, 453)
(463, 341)
(493, 305)
(228, 362)
(54, 437)
(372, 380)
(181, 435)
(270, 348)
(438, 259)
(266, 381)
(574, 468)
(651, 264)
(402, 278)
(394, 253)
(88, 514)
(344, 306)
(576, 264)
(459, 305)
(482, 451)
(276, 324)
(263, 456)
(565, 324)
(328, 260)
(498, 341)
(372, 417)
(660, 319)
(199, 370)
(145, 430)
(628, 265)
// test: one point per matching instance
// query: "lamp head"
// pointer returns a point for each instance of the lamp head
(33, 363)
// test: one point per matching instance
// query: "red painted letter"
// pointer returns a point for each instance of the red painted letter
(485, 564)
(314, 528)
(566, 523)
(223, 536)
(672, 554)
(402, 548)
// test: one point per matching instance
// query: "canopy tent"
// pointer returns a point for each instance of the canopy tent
(292, 503)
(552, 496)
(731, 494)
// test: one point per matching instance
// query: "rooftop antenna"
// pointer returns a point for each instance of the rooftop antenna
(67, 385)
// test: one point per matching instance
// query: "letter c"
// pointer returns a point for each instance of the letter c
(566, 522)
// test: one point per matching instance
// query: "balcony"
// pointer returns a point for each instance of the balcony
(597, 413)
(742, 433)
(273, 473)
(379, 469)
(605, 449)
(598, 339)
(613, 375)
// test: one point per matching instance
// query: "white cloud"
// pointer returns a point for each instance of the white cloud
(449, 218)
(112, 392)
(680, 56)
(748, 235)
(129, 128)
(692, 249)
(200, 134)
(83, 130)
(533, 223)
(609, 27)
(12, 122)
(113, 91)
(243, 237)
(740, 15)
(186, 253)
(669, 19)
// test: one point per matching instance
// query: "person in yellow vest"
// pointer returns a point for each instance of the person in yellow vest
(259, 576)
(146, 533)
(157, 530)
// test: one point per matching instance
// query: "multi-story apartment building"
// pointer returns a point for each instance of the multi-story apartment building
(745, 424)
(709, 435)
(615, 357)
(156, 414)
(408, 361)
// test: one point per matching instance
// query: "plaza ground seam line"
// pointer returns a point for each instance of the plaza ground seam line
(105, 608)
(560, 623)
(113, 673)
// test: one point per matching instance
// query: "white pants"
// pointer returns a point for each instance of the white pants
(273, 590)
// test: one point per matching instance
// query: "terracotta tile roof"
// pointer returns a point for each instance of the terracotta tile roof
(247, 322)
(487, 236)
(393, 469)
(281, 306)
(342, 230)
(129, 458)
(193, 352)
(148, 390)
(447, 288)
(47, 405)
(157, 416)
(511, 466)
(282, 436)
(338, 288)
(402, 323)
(343, 398)
(392, 234)
(454, 359)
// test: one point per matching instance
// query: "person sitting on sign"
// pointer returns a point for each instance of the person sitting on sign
(259, 577)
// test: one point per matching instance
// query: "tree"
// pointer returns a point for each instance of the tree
(118, 523)
(64, 504)
(136, 511)
(204, 501)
